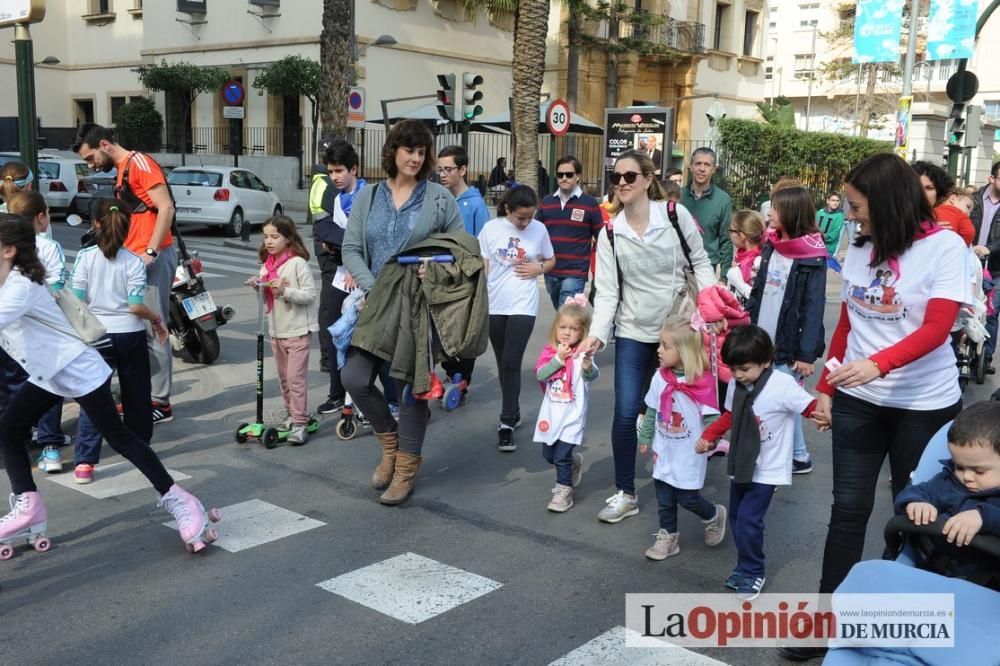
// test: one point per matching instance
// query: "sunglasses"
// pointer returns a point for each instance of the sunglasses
(565, 174)
(629, 177)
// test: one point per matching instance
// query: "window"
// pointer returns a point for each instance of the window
(992, 108)
(721, 33)
(809, 6)
(749, 32)
(116, 104)
(803, 63)
(769, 68)
(99, 7)
(808, 23)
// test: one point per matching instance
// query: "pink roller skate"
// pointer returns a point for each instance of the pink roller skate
(192, 520)
(28, 520)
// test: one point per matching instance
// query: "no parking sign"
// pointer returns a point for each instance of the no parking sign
(356, 107)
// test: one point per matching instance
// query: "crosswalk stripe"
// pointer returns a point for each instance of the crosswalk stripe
(217, 260)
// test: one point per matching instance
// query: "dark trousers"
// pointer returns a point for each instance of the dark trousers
(328, 313)
(991, 322)
(12, 377)
(509, 335)
(30, 402)
(635, 363)
(748, 504)
(359, 374)
(668, 497)
(127, 354)
(863, 434)
(335, 304)
(459, 366)
(560, 454)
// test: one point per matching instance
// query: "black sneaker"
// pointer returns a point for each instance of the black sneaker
(331, 406)
(162, 412)
(802, 466)
(505, 439)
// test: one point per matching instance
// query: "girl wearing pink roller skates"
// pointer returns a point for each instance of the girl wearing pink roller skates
(35, 333)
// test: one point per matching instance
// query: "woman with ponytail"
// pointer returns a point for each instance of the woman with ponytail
(111, 279)
(640, 271)
(14, 177)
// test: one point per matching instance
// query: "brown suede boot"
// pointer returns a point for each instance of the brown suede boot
(407, 465)
(382, 476)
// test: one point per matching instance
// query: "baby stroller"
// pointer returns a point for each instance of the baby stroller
(976, 608)
(973, 335)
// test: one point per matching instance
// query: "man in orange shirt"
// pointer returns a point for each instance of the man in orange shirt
(148, 237)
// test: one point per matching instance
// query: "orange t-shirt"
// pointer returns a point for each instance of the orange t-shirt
(143, 174)
(957, 220)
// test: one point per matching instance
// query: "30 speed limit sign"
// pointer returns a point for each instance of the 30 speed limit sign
(557, 117)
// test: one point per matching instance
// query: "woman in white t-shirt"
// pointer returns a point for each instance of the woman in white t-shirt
(898, 383)
(516, 251)
(111, 279)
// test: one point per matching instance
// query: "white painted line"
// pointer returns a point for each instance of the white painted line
(256, 522)
(111, 480)
(410, 588)
(609, 649)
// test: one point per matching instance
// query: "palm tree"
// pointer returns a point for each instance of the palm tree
(531, 23)
(336, 43)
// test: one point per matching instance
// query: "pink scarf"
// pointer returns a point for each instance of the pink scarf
(809, 246)
(565, 373)
(923, 231)
(744, 259)
(271, 266)
(702, 391)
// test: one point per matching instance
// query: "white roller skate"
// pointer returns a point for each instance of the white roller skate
(192, 519)
(28, 520)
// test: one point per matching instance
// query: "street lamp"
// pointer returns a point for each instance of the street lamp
(49, 60)
(381, 40)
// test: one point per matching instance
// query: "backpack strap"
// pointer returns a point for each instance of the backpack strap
(610, 232)
(672, 214)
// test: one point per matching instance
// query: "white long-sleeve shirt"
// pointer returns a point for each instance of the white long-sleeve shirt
(653, 273)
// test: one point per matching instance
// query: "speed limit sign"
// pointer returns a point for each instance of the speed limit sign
(557, 117)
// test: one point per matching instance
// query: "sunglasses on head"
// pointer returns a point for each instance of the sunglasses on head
(629, 177)
(565, 174)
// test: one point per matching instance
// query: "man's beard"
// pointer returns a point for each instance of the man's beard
(106, 163)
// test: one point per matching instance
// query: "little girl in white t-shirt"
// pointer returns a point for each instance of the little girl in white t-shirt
(565, 377)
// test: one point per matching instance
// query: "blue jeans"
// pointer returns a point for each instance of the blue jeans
(863, 434)
(635, 363)
(748, 504)
(799, 450)
(560, 454)
(127, 354)
(991, 323)
(561, 288)
(669, 497)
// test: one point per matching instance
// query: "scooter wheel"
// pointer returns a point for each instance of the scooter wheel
(241, 437)
(407, 395)
(269, 438)
(452, 397)
(347, 429)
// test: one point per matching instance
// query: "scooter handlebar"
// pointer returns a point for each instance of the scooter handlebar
(436, 258)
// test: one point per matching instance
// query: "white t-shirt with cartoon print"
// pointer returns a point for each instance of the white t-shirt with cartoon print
(675, 460)
(888, 302)
(563, 414)
(504, 246)
(781, 400)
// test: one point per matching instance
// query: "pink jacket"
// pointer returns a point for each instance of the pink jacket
(716, 304)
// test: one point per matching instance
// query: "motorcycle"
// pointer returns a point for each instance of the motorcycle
(194, 317)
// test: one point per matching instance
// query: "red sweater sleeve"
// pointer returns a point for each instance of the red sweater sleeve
(933, 333)
(714, 432)
(838, 345)
(808, 411)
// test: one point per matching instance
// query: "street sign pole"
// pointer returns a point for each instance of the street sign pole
(27, 118)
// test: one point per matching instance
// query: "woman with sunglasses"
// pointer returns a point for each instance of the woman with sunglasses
(637, 278)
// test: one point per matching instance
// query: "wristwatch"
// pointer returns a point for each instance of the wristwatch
(151, 252)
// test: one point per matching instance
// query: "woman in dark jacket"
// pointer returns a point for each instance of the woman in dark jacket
(789, 293)
(386, 219)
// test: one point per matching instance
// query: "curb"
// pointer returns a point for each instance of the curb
(240, 245)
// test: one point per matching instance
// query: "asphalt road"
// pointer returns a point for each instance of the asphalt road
(472, 569)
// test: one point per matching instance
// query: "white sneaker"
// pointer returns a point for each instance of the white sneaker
(619, 506)
(50, 461)
(666, 545)
(298, 435)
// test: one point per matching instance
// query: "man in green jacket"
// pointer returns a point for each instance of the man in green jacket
(711, 207)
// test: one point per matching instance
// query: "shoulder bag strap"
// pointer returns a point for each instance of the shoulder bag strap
(609, 230)
(672, 214)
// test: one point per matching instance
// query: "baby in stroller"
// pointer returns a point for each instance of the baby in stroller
(966, 495)
(970, 334)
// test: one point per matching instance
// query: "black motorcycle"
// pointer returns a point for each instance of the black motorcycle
(194, 317)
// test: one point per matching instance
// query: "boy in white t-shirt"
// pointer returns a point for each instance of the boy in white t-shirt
(761, 406)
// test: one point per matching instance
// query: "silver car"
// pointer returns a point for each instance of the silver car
(58, 179)
(222, 196)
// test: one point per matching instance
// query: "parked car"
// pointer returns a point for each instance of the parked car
(222, 196)
(96, 186)
(58, 179)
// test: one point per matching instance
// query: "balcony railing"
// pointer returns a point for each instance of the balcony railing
(685, 36)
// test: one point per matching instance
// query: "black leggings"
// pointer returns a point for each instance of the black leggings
(509, 335)
(30, 402)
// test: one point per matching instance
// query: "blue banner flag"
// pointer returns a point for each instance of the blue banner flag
(951, 29)
(877, 28)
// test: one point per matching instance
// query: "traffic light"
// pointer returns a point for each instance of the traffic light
(470, 96)
(956, 124)
(446, 96)
(973, 124)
